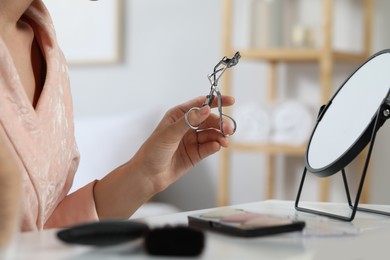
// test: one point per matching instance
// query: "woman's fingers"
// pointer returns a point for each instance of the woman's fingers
(212, 135)
(199, 102)
(214, 121)
(225, 100)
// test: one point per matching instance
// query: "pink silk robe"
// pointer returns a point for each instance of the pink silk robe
(43, 138)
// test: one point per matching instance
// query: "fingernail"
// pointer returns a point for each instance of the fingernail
(204, 110)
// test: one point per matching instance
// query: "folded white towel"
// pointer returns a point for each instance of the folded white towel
(253, 123)
(292, 123)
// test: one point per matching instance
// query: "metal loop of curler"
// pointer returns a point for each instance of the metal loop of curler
(231, 120)
(188, 121)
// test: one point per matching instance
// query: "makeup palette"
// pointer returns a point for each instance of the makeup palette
(242, 223)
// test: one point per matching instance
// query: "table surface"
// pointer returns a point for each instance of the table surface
(367, 237)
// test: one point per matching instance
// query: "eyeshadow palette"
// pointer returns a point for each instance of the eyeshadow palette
(242, 223)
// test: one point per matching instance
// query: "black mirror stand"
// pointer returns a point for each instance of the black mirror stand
(382, 115)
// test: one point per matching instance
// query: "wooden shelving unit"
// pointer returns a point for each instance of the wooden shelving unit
(299, 55)
(325, 57)
(269, 148)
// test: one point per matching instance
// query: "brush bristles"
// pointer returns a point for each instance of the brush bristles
(175, 241)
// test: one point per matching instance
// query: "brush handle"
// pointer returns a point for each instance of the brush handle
(104, 233)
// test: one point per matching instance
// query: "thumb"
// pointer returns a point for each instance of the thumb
(195, 117)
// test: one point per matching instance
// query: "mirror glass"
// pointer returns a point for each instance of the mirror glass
(343, 129)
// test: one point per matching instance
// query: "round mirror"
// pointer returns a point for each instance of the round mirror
(345, 124)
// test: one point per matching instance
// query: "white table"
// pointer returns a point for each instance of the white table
(368, 237)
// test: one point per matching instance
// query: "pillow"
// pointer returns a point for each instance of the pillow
(106, 142)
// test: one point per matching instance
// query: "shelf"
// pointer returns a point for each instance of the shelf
(269, 148)
(349, 56)
(326, 57)
(299, 55)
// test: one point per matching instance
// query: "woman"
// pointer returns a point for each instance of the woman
(36, 130)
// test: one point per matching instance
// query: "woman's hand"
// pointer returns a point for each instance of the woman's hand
(174, 148)
(171, 150)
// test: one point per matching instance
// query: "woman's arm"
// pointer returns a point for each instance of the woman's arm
(10, 191)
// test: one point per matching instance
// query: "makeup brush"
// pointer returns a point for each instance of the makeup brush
(164, 241)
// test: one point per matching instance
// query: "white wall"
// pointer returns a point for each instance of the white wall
(170, 46)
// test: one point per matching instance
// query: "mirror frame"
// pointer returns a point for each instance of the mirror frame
(357, 146)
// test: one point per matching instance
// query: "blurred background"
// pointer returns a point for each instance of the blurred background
(131, 60)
